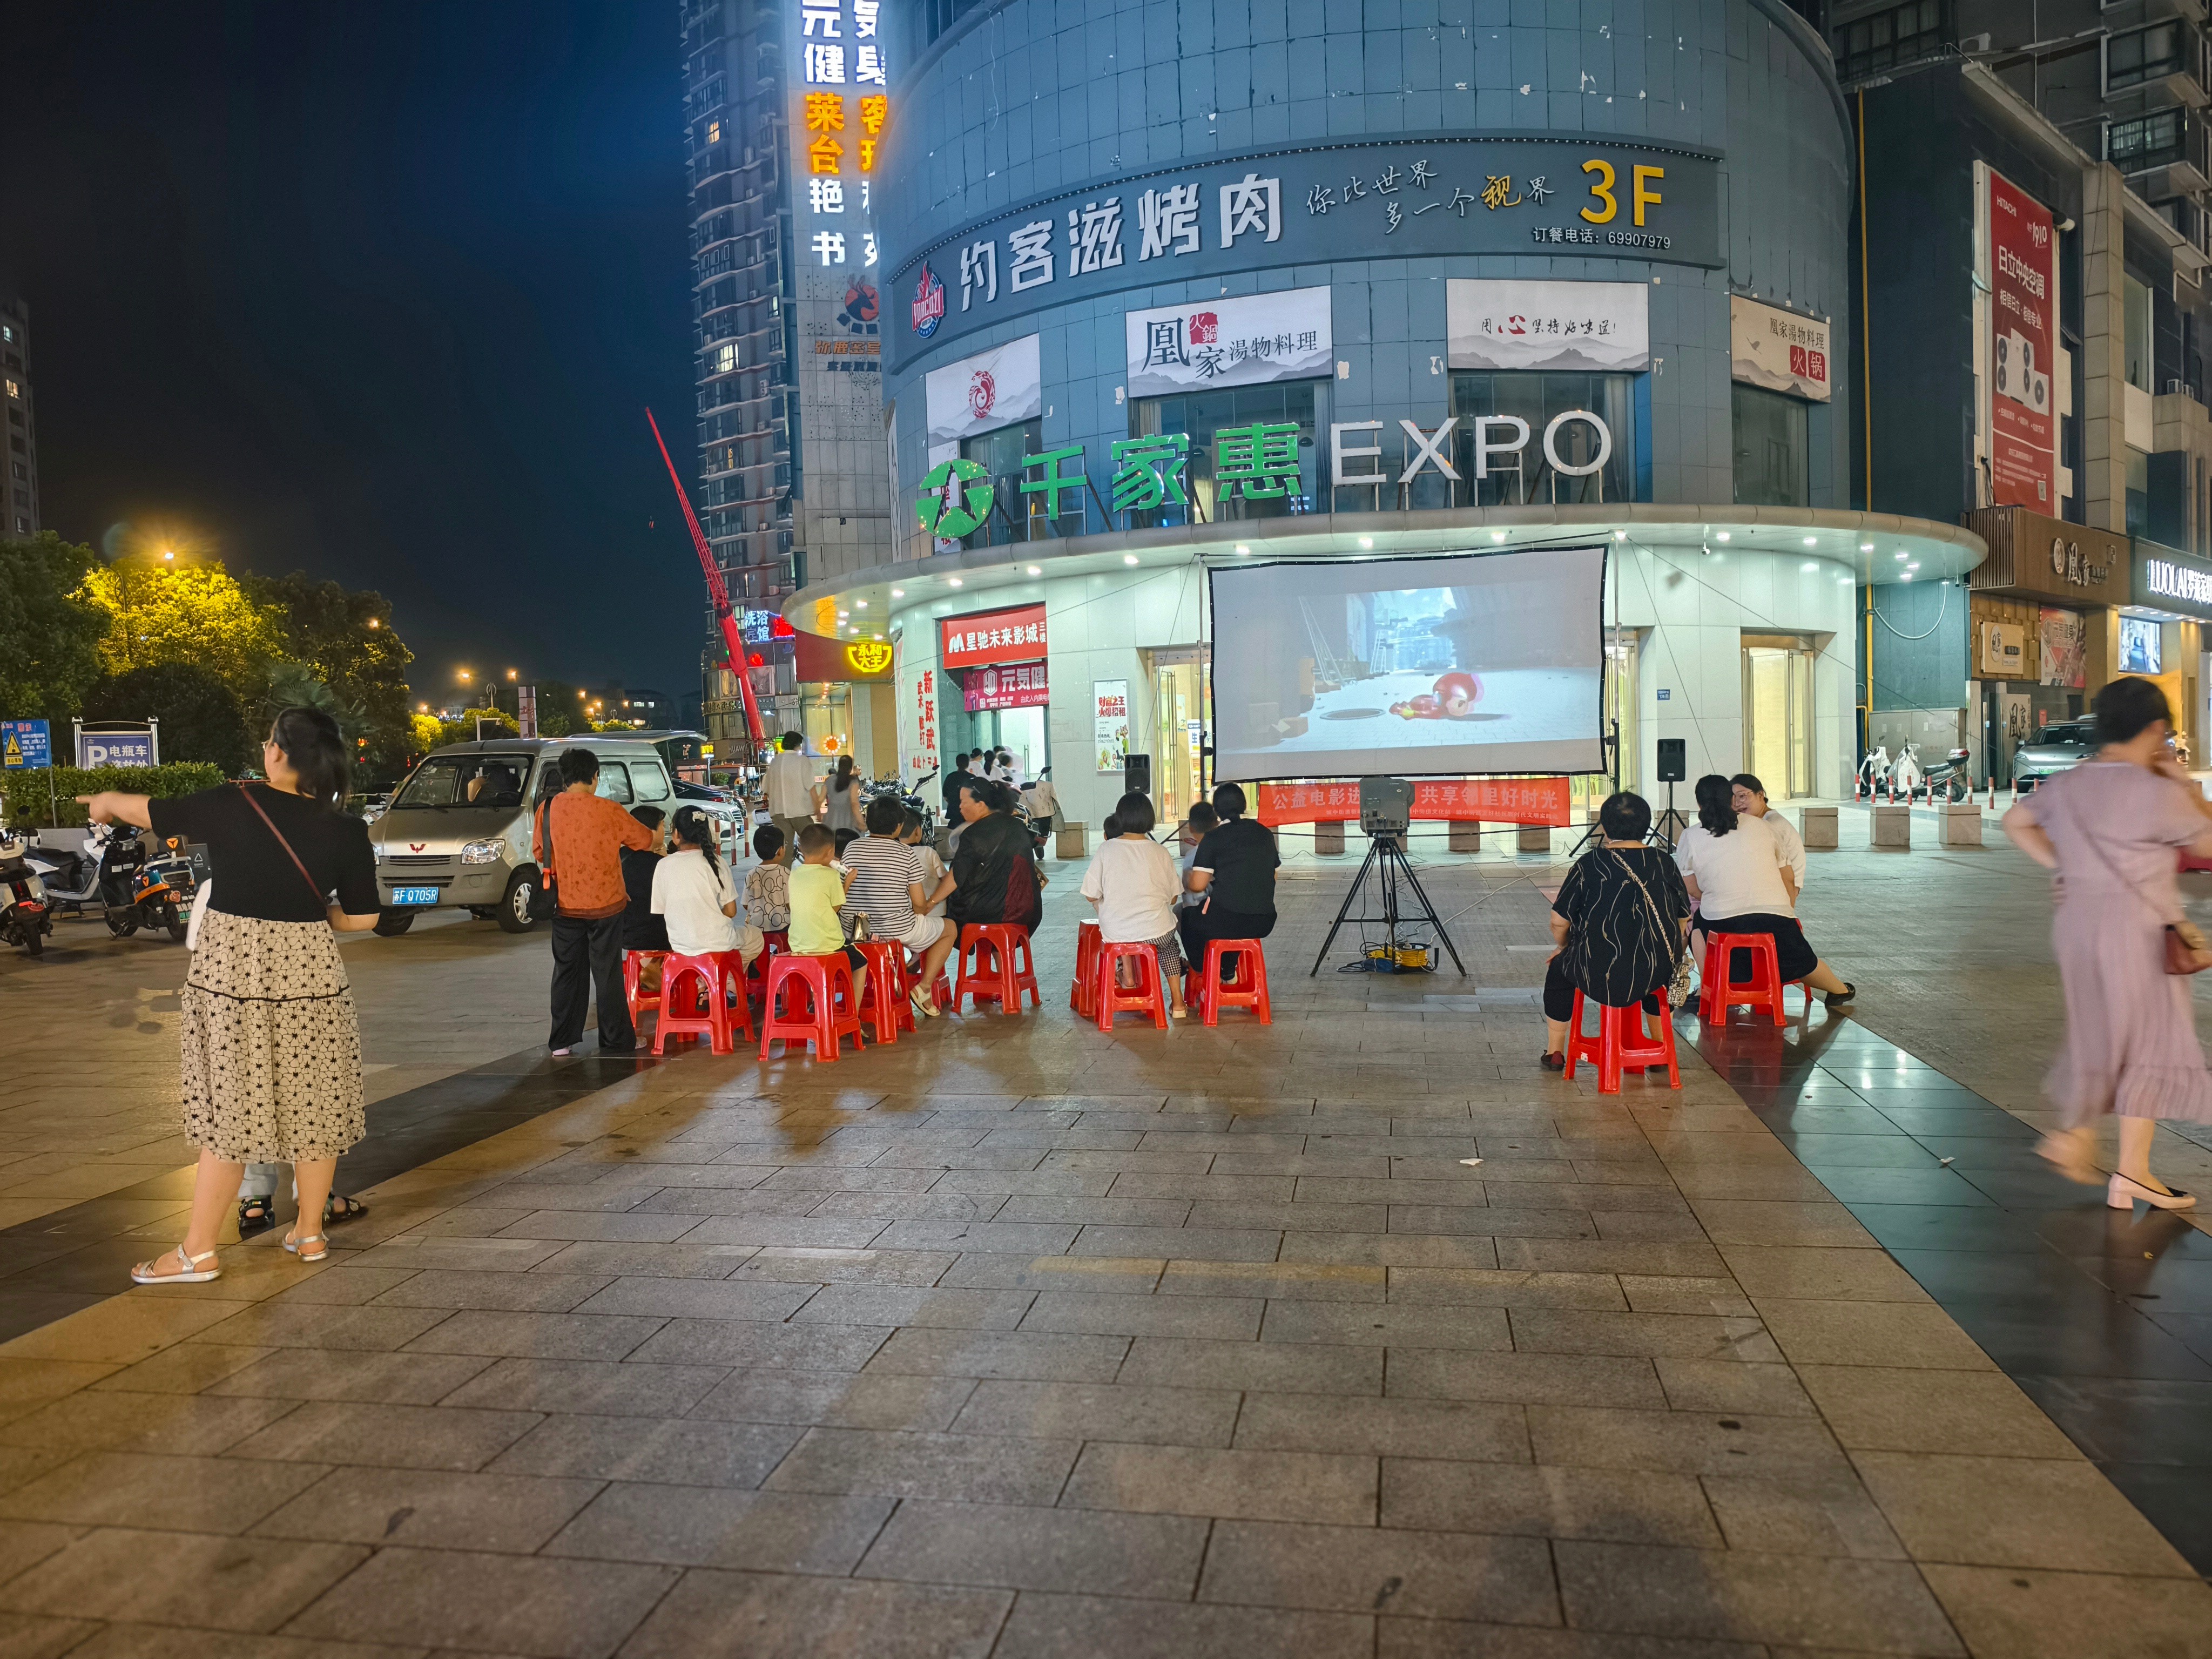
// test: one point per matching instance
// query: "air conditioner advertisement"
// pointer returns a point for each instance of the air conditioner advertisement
(2023, 290)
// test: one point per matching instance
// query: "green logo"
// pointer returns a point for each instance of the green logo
(956, 499)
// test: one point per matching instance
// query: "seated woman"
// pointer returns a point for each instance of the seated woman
(1619, 920)
(693, 894)
(1134, 883)
(1734, 870)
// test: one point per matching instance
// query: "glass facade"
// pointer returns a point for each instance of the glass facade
(1772, 455)
(1203, 416)
(1528, 477)
(1014, 517)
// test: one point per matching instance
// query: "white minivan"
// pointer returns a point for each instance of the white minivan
(458, 832)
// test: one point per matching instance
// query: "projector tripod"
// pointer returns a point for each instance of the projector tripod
(1386, 860)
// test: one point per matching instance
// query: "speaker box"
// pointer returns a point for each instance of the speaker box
(1673, 759)
(1137, 774)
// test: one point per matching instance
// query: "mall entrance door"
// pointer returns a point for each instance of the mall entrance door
(1182, 716)
(1778, 712)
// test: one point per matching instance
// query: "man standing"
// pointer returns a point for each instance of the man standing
(580, 841)
(1748, 797)
(960, 776)
(790, 786)
(1234, 871)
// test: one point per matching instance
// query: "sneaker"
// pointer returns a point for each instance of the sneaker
(922, 1005)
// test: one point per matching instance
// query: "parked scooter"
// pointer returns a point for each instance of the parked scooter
(1950, 779)
(25, 918)
(116, 876)
(1873, 770)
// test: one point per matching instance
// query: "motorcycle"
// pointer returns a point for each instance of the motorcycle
(130, 887)
(1873, 770)
(915, 800)
(25, 918)
(1950, 779)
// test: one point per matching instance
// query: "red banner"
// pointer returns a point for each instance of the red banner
(1015, 635)
(1459, 801)
(2023, 459)
(1016, 685)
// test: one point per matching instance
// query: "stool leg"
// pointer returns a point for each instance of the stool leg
(1609, 1039)
(1574, 1036)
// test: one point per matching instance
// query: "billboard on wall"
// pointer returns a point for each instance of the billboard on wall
(998, 387)
(2061, 636)
(2023, 425)
(1603, 327)
(1220, 342)
(1016, 635)
(1778, 350)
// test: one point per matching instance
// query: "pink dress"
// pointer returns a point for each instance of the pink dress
(2131, 1046)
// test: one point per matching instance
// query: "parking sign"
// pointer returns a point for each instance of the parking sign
(115, 749)
(26, 743)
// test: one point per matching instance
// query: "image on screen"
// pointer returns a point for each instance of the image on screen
(1437, 665)
(2139, 646)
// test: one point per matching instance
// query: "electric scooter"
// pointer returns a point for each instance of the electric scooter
(25, 918)
(116, 876)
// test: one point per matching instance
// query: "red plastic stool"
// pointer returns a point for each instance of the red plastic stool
(1718, 992)
(1248, 988)
(995, 966)
(772, 945)
(1612, 1049)
(718, 1022)
(1081, 993)
(884, 999)
(1151, 996)
(633, 972)
(830, 1016)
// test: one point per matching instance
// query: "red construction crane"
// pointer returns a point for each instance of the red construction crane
(725, 616)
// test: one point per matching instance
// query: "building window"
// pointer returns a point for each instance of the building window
(1014, 517)
(1771, 452)
(1204, 416)
(2138, 318)
(1903, 35)
(1526, 475)
(2144, 55)
(2138, 493)
(2148, 140)
(714, 132)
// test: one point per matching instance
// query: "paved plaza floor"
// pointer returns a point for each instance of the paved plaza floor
(1016, 1339)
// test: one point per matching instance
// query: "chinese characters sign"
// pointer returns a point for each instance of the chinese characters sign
(1781, 350)
(1002, 386)
(1018, 686)
(1110, 701)
(993, 636)
(848, 660)
(1240, 341)
(2023, 433)
(1462, 800)
(1401, 196)
(1602, 327)
(925, 711)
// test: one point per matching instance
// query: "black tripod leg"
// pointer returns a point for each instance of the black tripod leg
(1358, 882)
(1429, 911)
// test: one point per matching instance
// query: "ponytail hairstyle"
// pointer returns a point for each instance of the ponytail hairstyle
(1715, 803)
(842, 779)
(694, 829)
(317, 751)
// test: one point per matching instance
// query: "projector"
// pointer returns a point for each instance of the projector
(1386, 806)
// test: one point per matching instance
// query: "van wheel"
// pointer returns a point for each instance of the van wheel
(392, 923)
(515, 916)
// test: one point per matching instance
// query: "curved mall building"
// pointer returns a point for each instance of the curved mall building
(1166, 288)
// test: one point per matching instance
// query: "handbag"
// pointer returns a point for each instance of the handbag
(1678, 983)
(545, 896)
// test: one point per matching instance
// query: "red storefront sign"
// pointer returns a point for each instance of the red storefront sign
(1460, 800)
(925, 709)
(1016, 685)
(817, 658)
(989, 636)
(2023, 428)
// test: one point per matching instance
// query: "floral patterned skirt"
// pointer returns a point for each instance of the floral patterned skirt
(271, 1043)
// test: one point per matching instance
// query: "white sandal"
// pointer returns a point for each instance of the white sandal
(143, 1273)
(294, 1245)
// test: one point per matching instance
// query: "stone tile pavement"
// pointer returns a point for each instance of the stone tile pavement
(1016, 1339)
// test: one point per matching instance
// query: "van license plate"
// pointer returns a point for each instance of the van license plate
(414, 895)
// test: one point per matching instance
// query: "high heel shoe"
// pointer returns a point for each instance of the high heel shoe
(2121, 1193)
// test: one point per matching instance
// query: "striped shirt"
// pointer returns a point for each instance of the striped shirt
(883, 869)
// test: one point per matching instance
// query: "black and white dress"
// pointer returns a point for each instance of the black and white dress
(271, 1044)
(1621, 945)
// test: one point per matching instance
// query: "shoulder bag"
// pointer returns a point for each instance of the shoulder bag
(2187, 951)
(1678, 983)
(322, 899)
(545, 896)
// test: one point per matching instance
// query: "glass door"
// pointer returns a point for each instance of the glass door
(1182, 716)
(1586, 794)
(1778, 712)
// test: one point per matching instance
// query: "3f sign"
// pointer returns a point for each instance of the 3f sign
(1640, 195)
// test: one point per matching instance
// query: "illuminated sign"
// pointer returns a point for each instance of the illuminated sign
(2174, 584)
(993, 636)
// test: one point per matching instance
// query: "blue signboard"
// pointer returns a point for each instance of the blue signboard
(26, 744)
(115, 748)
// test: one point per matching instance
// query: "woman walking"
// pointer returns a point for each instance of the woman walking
(2110, 827)
(840, 798)
(272, 1045)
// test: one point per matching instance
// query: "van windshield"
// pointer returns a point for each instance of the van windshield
(486, 780)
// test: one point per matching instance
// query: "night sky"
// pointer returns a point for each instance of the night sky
(376, 292)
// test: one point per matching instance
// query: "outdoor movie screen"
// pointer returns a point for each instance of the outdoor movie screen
(1479, 663)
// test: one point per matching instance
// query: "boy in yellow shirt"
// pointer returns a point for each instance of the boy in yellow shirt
(817, 891)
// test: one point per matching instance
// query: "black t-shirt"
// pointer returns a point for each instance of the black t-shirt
(253, 875)
(953, 786)
(1622, 938)
(641, 929)
(1242, 857)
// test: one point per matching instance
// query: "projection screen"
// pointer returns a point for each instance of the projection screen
(1453, 665)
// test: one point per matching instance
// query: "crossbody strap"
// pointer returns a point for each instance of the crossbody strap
(321, 898)
(1674, 955)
